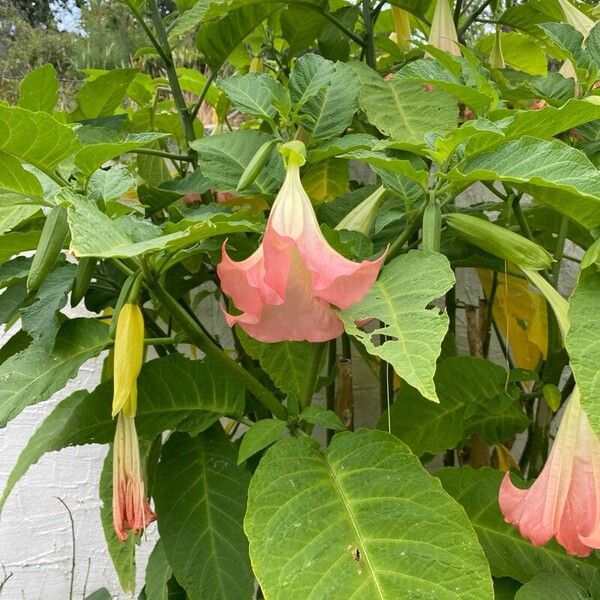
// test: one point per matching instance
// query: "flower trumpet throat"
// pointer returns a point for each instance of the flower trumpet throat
(564, 501)
(128, 357)
(131, 510)
(288, 288)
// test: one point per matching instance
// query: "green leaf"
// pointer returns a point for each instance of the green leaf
(540, 168)
(200, 496)
(122, 554)
(14, 178)
(225, 157)
(169, 398)
(331, 110)
(338, 146)
(95, 234)
(262, 434)
(100, 594)
(39, 90)
(255, 94)
(317, 415)
(93, 156)
(111, 184)
(216, 40)
(11, 300)
(361, 519)
(158, 573)
(39, 318)
(36, 138)
(16, 242)
(399, 299)
(427, 71)
(101, 96)
(326, 180)
(509, 554)
(286, 363)
(301, 25)
(582, 342)
(13, 216)
(14, 271)
(473, 397)
(551, 587)
(33, 375)
(310, 75)
(520, 51)
(401, 109)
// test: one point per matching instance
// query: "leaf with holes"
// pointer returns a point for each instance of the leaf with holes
(361, 519)
(399, 300)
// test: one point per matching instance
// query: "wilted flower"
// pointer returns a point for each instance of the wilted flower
(286, 289)
(128, 357)
(443, 33)
(564, 501)
(131, 510)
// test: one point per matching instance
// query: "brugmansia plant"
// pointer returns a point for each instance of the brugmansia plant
(344, 279)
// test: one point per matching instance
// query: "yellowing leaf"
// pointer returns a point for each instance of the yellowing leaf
(325, 180)
(525, 313)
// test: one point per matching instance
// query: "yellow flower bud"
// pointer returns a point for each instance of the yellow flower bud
(443, 33)
(128, 356)
(362, 217)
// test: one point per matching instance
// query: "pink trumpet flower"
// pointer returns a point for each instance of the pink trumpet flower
(131, 510)
(287, 289)
(564, 501)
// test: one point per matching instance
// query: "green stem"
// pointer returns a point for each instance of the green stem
(182, 109)
(140, 19)
(200, 339)
(312, 375)
(472, 17)
(330, 391)
(170, 155)
(203, 92)
(560, 248)
(369, 44)
(327, 15)
(412, 227)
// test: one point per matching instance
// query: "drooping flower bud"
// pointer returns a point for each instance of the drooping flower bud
(576, 18)
(288, 288)
(128, 357)
(443, 32)
(131, 510)
(362, 217)
(496, 56)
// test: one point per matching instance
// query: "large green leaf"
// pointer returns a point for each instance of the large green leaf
(301, 25)
(122, 554)
(12, 216)
(509, 554)
(169, 398)
(223, 159)
(101, 96)
(14, 178)
(93, 156)
(402, 109)
(16, 242)
(399, 299)
(218, 39)
(473, 397)
(310, 75)
(583, 342)
(551, 587)
(361, 519)
(554, 173)
(39, 89)
(95, 234)
(33, 375)
(35, 137)
(158, 573)
(39, 318)
(329, 112)
(286, 363)
(200, 496)
(255, 94)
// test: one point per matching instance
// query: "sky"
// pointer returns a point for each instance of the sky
(67, 19)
